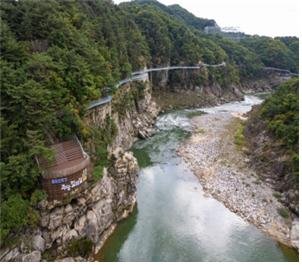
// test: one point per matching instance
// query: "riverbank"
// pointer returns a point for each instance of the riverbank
(175, 219)
(172, 96)
(223, 170)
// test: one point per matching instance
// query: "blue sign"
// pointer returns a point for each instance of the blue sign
(58, 181)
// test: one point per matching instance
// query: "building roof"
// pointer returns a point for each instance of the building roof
(69, 158)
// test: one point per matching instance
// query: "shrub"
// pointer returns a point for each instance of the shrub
(281, 113)
(14, 216)
(239, 136)
(284, 212)
(80, 247)
(102, 137)
(277, 195)
(37, 196)
(99, 166)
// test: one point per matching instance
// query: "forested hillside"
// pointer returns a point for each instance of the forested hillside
(275, 52)
(279, 52)
(273, 136)
(57, 56)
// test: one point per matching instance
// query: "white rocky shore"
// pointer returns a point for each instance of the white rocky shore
(224, 173)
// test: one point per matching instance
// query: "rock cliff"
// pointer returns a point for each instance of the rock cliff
(94, 213)
(136, 121)
(171, 93)
(90, 215)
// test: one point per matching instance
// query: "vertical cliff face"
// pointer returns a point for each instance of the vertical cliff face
(192, 88)
(88, 216)
(136, 121)
(94, 213)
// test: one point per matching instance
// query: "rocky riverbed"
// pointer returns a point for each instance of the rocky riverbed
(224, 172)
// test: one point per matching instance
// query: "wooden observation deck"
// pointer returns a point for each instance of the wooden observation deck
(65, 175)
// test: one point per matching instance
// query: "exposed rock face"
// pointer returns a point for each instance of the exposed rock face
(96, 210)
(137, 121)
(143, 123)
(39, 243)
(174, 93)
(70, 259)
(269, 157)
(199, 97)
(33, 256)
(294, 235)
(108, 201)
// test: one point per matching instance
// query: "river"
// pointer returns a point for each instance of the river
(174, 219)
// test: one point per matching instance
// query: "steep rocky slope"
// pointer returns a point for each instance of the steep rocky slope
(93, 214)
(272, 135)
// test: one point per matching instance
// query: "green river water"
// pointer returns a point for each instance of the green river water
(174, 220)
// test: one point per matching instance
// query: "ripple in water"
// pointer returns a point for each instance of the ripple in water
(174, 219)
(238, 106)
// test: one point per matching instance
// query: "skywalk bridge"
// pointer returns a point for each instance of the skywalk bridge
(143, 75)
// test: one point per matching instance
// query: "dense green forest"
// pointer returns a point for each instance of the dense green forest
(281, 114)
(274, 52)
(56, 56)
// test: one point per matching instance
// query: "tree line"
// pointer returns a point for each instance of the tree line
(57, 56)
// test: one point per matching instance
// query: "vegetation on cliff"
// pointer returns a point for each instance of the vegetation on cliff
(57, 56)
(272, 133)
(279, 52)
(281, 114)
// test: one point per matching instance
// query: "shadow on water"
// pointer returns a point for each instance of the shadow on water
(142, 157)
(290, 253)
(111, 248)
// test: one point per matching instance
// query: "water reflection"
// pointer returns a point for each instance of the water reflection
(175, 221)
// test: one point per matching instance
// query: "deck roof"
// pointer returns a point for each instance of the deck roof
(69, 158)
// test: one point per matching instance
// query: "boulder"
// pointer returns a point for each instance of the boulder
(44, 219)
(69, 214)
(81, 201)
(48, 240)
(55, 218)
(79, 259)
(294, 234)
(68, 209)
(96, 191)
(59, 232)
(70, 235)
(80, 225)
(67, 259)
(117, 152)
(38, 243)
(104, 214)
(9, 255)
(92, 226)
(34, 256)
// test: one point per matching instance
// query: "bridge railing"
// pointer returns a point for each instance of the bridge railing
(279, 70)
(141, 75)
(167, 68)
